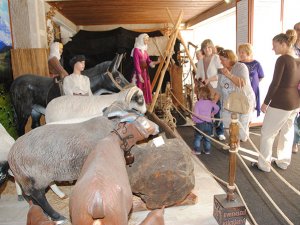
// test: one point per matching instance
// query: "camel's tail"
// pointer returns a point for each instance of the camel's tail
(96, 208)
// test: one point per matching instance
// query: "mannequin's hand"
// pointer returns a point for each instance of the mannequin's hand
(141, 78)
(134, 79)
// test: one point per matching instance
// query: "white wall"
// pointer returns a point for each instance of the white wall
(291, 14)
(263, 33)
(221, 29)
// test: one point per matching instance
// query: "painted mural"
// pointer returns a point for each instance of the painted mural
(5, 43)
(6, 108)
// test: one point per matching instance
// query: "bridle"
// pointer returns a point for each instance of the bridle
(116, 83)
(113, 80)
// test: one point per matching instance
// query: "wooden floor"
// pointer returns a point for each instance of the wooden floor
(261, 208)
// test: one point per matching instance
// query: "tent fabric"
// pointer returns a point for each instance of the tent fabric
(100, 46)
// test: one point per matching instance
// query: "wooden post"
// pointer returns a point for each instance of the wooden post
(169, 48)
(186, 50)
(234, 145)
(228, 208)
(158, 71)
(183, 43)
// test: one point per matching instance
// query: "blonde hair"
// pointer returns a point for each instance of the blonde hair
(205, 43)
(204, 93)
(246, 48)
(229, 54)
(289, 38)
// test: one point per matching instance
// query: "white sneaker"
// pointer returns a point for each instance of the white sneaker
(222, 137)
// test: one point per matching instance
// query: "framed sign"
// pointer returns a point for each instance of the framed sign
(6, 42)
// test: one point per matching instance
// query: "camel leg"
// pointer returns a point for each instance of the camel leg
(21, 126)
(58, 192)
(19, 192)
(53, 187)
(36, 117)
(38, 196)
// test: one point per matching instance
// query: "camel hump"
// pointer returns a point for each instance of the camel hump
(155, 217)
(96, 208)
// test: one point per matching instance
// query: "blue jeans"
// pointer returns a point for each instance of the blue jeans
(296, 130)
(207, 128)
(219, 124)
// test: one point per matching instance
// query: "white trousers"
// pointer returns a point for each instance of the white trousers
(277, 121)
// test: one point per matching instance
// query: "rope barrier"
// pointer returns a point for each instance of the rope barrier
(276, 173)
(245, 165)
(264, 191)
(252, 144)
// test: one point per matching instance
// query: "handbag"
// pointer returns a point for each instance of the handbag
(237, 101)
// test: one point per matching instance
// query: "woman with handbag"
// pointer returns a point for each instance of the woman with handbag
(281, 105)
(234, 79)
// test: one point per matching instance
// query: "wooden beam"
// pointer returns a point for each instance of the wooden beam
(183, 43)
(213, 11)
(160, 66)
(170, 50)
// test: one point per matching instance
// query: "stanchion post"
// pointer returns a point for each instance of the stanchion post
(228, 208)
(234, 145)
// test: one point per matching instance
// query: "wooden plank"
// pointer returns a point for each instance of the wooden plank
(129, 11)
(33, 61)
(183, 43)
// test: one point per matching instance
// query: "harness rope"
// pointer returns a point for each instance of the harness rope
(113, 80)
(129, 158)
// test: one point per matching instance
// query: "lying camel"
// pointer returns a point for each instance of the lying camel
(102, 193)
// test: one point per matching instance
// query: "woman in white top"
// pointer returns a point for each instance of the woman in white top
(76, 83)
(207, 73)
(207, 67)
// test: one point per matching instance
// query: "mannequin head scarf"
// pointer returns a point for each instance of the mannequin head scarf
(139, 43)
(54, 50)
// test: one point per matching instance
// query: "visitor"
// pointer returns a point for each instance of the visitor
(233, 76)
(281, 105)
(207, 73)
(256, 72)
(204, 109)
(297, 120)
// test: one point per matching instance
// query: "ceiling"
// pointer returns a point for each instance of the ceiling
(100, 12)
